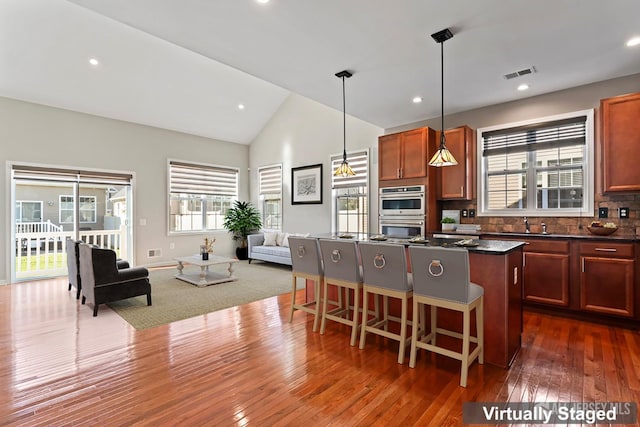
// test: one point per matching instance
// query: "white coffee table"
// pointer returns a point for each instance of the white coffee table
(205, 277)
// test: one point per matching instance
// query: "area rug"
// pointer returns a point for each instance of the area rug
(175, 300)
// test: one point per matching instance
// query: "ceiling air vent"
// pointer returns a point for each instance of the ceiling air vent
(520, 73)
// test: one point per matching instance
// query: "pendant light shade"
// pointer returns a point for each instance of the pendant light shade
(344, 170)
(442, 157)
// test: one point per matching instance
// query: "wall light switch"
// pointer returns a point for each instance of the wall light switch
(603, 212)
(472, 213)
(465, 213)
(623, 213)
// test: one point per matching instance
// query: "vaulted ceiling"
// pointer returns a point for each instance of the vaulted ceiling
(187, 65)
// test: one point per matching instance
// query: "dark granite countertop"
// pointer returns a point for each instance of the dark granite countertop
(515, 235)
(620, 238)
(490, 247)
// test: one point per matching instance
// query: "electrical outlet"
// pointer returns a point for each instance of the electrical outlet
(623, 213)
(465, 213)
(172, 245)
(603, 212)
(472, 213)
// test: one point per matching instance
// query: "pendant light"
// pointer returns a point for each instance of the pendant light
(442, 157)
(344, 170)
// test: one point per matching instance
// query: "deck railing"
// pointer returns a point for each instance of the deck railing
(45, 253)
(37, 227)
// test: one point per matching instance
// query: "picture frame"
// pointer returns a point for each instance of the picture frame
(306, 185)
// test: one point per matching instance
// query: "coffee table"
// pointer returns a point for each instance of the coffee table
(205, 277)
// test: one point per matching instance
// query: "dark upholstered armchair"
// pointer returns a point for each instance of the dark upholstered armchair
(103, 282)
(73, 265)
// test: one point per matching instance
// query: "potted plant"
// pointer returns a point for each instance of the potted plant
(241, 220)
(448, 224)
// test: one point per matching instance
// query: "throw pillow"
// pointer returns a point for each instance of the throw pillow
(280, 238)
(270, 238)
(285, 240)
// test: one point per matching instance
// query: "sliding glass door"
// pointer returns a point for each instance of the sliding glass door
(53, 205)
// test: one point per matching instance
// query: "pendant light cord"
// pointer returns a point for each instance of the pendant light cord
(442, 138)
(344, 124)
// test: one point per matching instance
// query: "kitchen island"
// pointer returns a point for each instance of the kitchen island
(495, 265)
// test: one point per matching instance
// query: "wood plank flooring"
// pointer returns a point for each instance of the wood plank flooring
(248, 366)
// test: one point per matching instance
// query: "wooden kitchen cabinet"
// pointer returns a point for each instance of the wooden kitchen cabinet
(607, 278)
(404, 154)
(546, 272)
(620, 140)
(458, 182)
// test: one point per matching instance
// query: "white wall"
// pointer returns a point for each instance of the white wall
(304, 132)
(563, 101)
(33, 133)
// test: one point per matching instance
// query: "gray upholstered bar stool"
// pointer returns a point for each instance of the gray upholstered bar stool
(441, 279)
(384, 268)
(306, 264)
(342, 270)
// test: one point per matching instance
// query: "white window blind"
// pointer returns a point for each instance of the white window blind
(359, 163)
(202, 179)
(270, 180)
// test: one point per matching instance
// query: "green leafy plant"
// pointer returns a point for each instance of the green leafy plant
(241, 220)
(447, 220)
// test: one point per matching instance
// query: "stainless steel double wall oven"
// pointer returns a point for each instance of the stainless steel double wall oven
(402, 211)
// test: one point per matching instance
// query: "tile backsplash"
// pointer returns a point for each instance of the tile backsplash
(561, 225)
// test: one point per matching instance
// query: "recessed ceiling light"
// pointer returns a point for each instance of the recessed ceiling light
(93, 61)
(263, 1)
(417, 100)
(633, 42)
(240, 106)
(523, 86)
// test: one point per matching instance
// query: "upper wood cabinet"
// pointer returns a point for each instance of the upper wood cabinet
(458, 182)
(621, 143)
(404, 154)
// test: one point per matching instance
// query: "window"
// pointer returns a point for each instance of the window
(27, 211)
(555, 153)
(351, 195)
(199, 196)
(270, 181)
(87, 209)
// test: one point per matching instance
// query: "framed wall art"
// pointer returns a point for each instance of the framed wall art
(306, 185)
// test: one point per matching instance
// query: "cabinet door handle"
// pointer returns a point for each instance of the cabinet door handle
(582, 260)
(606, 249)
(461, 190)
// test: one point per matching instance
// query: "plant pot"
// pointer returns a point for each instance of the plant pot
(448, 227)
(242, 253)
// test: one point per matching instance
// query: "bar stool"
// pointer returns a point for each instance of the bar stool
(342, 270)
(441, 279)
(306, 264)
(384, 268)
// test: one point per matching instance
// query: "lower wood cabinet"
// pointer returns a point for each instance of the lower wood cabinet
(546, 278)
(607, 278)
(580, 276)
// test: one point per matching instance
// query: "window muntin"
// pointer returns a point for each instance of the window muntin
(200, 196)
(270, 182)
(87, 207)
(351, 194)
(556, 153)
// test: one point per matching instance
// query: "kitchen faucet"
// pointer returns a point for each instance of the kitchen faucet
(544, 228)
(527, 229)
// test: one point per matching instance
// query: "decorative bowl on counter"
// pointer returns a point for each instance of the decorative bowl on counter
(602, 231)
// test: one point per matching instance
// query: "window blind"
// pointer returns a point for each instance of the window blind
(359, 162)
(537, 136)
(270, 179)
(185, 178)
(36, 173)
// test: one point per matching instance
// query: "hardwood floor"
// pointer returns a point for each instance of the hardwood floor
(249, 366)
